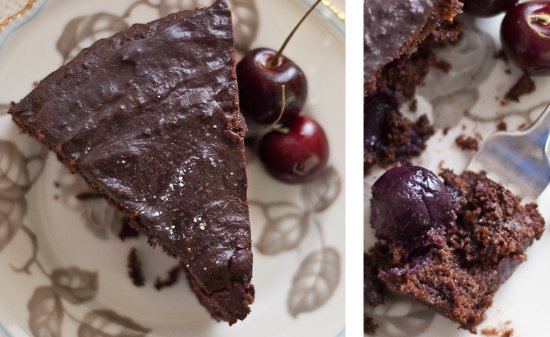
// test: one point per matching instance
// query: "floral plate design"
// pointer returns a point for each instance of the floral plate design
(469, 100)
(62, 265)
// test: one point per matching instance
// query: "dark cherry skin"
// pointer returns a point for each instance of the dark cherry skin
(487, 8)
(407, 202)
(525, 37)
(298, 156)
(260, 87)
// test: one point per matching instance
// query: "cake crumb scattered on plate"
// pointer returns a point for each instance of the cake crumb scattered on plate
(501, 55)
(134, 269)
(501, 331)
(127, 231)
(525, 85)
(467, 143)
(171, 279)
(414, 105)
(370, 326)
(502, 126)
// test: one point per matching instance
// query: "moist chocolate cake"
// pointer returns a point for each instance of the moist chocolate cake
(395, 29)
(399, 40)
(449, 244)
(150, 118)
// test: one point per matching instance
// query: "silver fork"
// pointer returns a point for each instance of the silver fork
(518, 160)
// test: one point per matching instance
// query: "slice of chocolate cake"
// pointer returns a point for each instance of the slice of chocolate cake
(399, 40)
(395, 29)
(449, 244)
(150, 118)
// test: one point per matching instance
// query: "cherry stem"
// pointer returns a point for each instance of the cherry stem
(273, 63)
(273, 126)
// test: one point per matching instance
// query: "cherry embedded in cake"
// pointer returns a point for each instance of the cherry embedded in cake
(448, 243)
(150, 118)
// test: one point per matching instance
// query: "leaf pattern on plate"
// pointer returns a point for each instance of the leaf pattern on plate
(245, 16)
(315, 282)
(99, 217)
(323, 191)
(14, 182)
(244, 13)
(283, 233)
(82, 31)
(4, 109)
(401, 317)
(107, 323)
(46, 313)
(102, 218)
(74, 284)
(287, 224)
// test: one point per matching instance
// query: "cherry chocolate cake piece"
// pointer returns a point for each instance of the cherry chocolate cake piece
(399, 39)
(449, 244)
(150, 118)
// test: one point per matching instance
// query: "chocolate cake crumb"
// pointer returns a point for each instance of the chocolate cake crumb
(170, 280)
(127, 231)
(85, 196)
(522, 126)
(496, 332)
(501, 55)
(373, 290)
(467, 143)
(370, 326)
(446, 130)
(525, 85)
(508, 71)
(442, 65)
(56, 197)
(134, 269)
(502, 126)
(56, 184)
(414, 105)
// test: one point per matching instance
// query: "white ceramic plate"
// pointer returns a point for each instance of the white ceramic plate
(62, 268)
(468, 101)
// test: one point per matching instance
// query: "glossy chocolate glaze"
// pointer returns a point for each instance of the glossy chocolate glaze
(150, 118)
(393, 28)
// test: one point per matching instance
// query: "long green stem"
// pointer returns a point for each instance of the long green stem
(273, 126)
(275, 60)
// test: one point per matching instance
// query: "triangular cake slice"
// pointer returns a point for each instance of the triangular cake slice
(150, 118)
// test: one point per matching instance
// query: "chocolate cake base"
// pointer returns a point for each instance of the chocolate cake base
(403, 138)
(472, 257)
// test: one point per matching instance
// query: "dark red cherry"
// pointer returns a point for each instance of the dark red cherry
(260, 84)
(408, 201)
(297, 156)
(487, 8)
(525, 36)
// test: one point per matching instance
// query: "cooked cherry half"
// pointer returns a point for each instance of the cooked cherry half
(408, 201)
(525, 36)
(296, 156)
(487, 8)
(260, 80)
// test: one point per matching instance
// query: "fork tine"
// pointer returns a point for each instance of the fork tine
(518, 160)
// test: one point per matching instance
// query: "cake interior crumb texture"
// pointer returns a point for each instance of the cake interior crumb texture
(400, 38)
(461, 270)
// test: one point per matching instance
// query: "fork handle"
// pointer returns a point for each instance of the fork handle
(541, 130)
